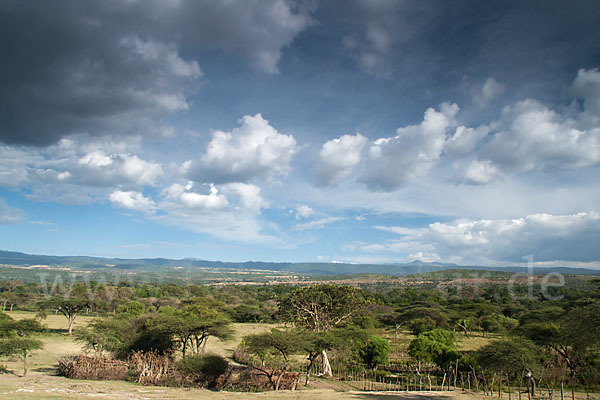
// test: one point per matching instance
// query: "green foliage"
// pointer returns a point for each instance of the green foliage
(348, 342)
(376, 352)
(18, 345)
(148, 339)
(204, 369)
(191, 325)
(106, 334)
(511, 356)
(121, 334)
(16, 340)
(574, 337)
(276, 342)
(435, 346)
(70, 307)
(247, 313)
(426, 313)
(420, 325)
(442, 336)
(131, 309)
(542, 333)
(321, 307)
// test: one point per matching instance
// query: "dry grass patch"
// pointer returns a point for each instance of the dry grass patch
(55, 322)
(225, 348)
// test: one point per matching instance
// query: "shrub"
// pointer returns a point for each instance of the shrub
(203, 369)
(376, 352)
(421, 325)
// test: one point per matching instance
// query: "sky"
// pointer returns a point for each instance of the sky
(362, 131)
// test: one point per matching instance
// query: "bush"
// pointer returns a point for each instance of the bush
(203, 369)
(381, 373)
(421, 325)
(246, 313)
(151, 341)
(376, 352)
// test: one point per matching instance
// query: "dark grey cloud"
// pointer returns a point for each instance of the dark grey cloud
(437, 44)
(120, 67)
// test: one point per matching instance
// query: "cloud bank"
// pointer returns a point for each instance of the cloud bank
(119, 67)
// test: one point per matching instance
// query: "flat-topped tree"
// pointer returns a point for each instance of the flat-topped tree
(281, 343)
(320, 308)
(16, 340)
(69, 307)
(191, 326)
(313, 344)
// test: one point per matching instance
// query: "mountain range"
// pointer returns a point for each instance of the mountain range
(318, 268)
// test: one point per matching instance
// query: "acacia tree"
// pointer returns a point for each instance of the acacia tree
(69, 307)
(320, 308)
(277, 342)
(313, 344)
(15, 338)
(192, 326)
(573, 338)
(123, 333)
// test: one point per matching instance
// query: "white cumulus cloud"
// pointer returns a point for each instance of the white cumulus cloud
(393, 161)
(253, 150)
(230, 211)
(186, 197)
(338, 157)
(464, 140)
(534, 137)
(304, 211)
(545, 237)
(480, 173)
(77, 170)
(132, 200)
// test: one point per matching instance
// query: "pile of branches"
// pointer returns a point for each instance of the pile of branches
(152, 368)
(251, 379)
(92, 367)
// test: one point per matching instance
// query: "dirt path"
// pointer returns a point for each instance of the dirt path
(43, 386)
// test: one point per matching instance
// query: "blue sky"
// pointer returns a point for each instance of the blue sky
(356, 131)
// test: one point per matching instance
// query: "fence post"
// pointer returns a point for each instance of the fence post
(520, 381)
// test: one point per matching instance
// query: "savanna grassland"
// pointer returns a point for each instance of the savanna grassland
(42, 382)
(447, 335)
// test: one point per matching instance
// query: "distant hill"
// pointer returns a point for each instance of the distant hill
(154, 264)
